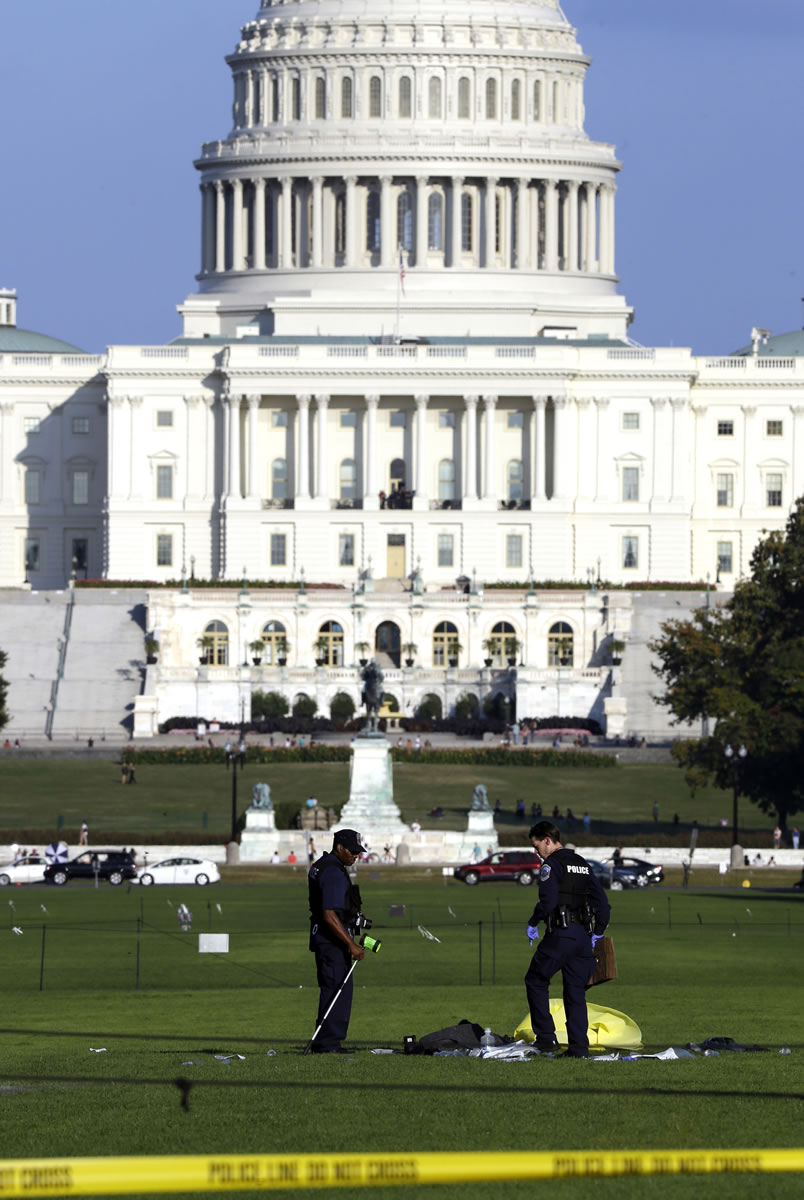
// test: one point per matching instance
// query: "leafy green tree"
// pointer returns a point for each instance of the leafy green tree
(429, 709)
(342, 708)
(268, 704)
(305, 706)
(3, 692)
(742, 666)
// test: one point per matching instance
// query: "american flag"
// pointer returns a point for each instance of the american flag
(401, 271)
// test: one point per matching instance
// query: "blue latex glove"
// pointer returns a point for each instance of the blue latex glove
(533, 933)
(595, 939)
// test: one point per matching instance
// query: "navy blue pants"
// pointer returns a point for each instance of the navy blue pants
(332, 965)
(570, 952)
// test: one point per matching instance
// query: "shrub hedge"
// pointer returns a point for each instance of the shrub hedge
(493, 756)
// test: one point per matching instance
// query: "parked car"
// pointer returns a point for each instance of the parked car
(180, 870)
(627, 873)
(29, 869)
(522, 866)
(112, 865)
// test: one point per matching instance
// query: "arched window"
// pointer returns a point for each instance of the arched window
(405, 97)
(373, 227)
(446, 479)
(537, 100)
(279, 479)
(329, 644)
(404, 221)
(346, 97)
(375, 96)
(491, 99)
(445, 643)
(560, 645)
(340, 224)
(274, 643)
(467, 223)
(435, 222)
(216, 644)
(320, 98)
(464, 99)
(348, 479)
(295, 99)
(515, 479)
(516, 100)
(397, 475)
(499, 645)
(434, 98)
(388, 640)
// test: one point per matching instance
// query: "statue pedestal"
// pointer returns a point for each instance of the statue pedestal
(370, 808)
(481, 825)
(260, 838)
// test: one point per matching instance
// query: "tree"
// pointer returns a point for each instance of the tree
(268, 704)
(3, 692)
(742, 666)
(342, 708)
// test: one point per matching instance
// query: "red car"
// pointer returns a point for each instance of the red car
(522, 866)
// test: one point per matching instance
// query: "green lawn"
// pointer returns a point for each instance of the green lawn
(692, 965)
(43, 798)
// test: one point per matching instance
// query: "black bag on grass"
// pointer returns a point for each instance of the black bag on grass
(465, 1035)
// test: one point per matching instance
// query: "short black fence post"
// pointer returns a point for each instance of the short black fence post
(139, 931)
(42, 960)
(480, 953)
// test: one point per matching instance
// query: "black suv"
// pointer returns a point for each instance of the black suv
(112, 865)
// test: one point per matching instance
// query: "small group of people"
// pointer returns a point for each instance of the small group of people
(128, 773)
(413, 744)
(8, 746)
(398, 497)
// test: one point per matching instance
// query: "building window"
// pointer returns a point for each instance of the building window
(773, 487)
(320, 99)
(31, 424)
(501, 640)
(491, 99)
(348, 418)
(80, 426)
(346, 550)
(725, 429)
(340, 223)
(467, 223)
(435, 222)
(279, 418)
(515, 480)
(275, 98)
(516, 420)
(724, 558)
(274, 643)
(464, 99)
(630, 483)
(31, 555)
(164, 549)
(404, 221)
(631, 420)
(346, 97)
(348, 479)
(373, 222)
(446, 420)
(537, 100)
(329, 644)
(513, 550)
(80, 556)
(560, 645)
(216, 650)
(446, 479)
(375, 96)
(80, 487)
(774, 428)
(446, 549)
(725, 491)
(397, 419)
(164, 419)
(434, 98)
(295, 98)
(33, 485)
(405, 97)
(164, 483)
(516, 101)
(279, 549)
(630, 553)
(279, 479)
(445, 643)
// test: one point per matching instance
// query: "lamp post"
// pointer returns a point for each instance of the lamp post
(233, 753)
(735, 760)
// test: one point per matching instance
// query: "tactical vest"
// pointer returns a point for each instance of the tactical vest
(574, 878)
(352, 902)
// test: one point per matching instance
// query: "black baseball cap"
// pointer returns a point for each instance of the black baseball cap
(350, 840)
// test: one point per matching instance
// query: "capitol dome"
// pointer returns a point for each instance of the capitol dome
(409, 166)
(25, 341)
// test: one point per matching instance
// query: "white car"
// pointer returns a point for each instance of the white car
(30, 869)
(179, 870)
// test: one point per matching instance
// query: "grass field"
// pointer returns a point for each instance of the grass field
(42, 798)
(692, 964)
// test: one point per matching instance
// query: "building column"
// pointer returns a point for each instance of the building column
(253, 413)
(371, 500)
(234, 447)
(322, 456)
(537, 491)
(752, 497)
(286, 224)
(117, 441)
(421, 220)
(456, 232)
(351, 204)
(490, 253)
(571, 231)
(590, 241)
(561, 448)
(680, 487)
(136, 453)
(220, 226)
(259, 224)
(605, 452)
(207, 229)
(797, 468)
(421, 499)
(662, 442)
(607, 230)
(470, 450)
(238, 240)
(193, 441)
(302, 482)
(318, 221)
(586, 448)
(386, 222)
(489, 475)
(551, 224)
(522, 224)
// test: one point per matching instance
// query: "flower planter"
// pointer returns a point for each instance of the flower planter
(408, 662)
(488, 661)
(257, 662)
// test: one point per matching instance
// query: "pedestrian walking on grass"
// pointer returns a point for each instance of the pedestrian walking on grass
(83, 837)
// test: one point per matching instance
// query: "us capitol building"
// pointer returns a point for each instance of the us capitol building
(404, 376)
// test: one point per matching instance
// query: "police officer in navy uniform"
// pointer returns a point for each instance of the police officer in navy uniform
(334, 904)
(575, 911)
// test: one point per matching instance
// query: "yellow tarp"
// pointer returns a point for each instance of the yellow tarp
(607, 1027)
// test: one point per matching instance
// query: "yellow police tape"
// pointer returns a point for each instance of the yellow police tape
(251, 1172)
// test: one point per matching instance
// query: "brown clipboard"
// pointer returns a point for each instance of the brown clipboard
(605, 963)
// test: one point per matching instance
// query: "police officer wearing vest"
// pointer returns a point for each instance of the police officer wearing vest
(334, 904)
(575, 912)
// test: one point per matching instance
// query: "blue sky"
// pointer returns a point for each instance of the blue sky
(106, 103)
